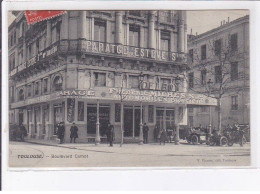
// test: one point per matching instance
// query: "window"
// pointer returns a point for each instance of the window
(100, 31)
(37, 87)
(165, 83)
(217, 47)
(191, 80)
(165, 41)
(233, 42)
(191, 55)
(80, 111)
(12, 93)
(100, 79)
(11, 62)
(21, 94)
(29, 51)
(135, 13)
(57, 83)
(29, 90)
(134, 36)
(133, 81)
(45, 85)
(203, 74)
(234, 71)
(203, 52)
(58, 32)
(218, 74)
(20, 57)
(37, 46)
(234, 102)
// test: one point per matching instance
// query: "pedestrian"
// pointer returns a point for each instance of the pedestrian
(145, 133)
(163, 136)
(61, 132)
(110, 134)
(73, 132)
(156, 132)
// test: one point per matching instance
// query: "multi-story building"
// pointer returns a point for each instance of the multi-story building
(95, 67)
(219, 61)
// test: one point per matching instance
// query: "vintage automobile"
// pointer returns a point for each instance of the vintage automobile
(16, 133)
(196, 135)
(217, 139)
(235, 136)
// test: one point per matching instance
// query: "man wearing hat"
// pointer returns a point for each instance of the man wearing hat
(73, 132)
(61, 132)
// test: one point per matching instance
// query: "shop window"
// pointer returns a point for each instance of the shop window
(117, 112)
(100, 31)
(150, 113)
(234, 71)
(134, 35)
(36, 88)
(29, 90)
(234, 102)
(217, 47)
(133, 81)
(203, 74)
(80, 111)
(203, 52)
(191, 80)
(218, 74)
(165, 41)
(45, 85)
(191, 55)
(21, 94)
(100, 79)
(233, 42)
(57, 83)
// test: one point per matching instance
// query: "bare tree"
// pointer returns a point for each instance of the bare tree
(217, 64)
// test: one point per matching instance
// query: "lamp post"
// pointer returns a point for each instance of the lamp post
(141, 138)
(97, 126)
(209, 85)
(121, 111)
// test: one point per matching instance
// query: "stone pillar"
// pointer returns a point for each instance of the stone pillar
(83, 24)
(177, 124)
(151, 30)
(119, 28)
(181, 34)
(48, 33)
(64, 26)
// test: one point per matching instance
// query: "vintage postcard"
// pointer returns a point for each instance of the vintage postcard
(129, 88)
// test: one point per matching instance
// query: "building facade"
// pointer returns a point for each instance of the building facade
(95, 67)
(219, 64)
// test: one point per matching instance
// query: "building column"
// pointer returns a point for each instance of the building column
(64, 26)
(48, 33)
(83, 24)
(181, 31)
(97, 141)
(151, 30)
(119, 28)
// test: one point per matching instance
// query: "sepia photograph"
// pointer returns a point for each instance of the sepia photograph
(129, 88)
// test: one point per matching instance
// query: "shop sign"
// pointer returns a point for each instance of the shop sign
(76, 93)
(130, 51)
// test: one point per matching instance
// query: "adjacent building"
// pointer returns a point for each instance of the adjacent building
(95, 67)
(219, 63)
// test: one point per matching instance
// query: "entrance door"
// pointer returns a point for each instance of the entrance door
(20, 118)
(169, 118)
(137, 122)
(92, 119)
(128, 122)
(159, 118)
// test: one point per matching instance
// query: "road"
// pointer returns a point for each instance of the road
(24, 154)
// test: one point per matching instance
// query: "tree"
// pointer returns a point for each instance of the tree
(218, 62)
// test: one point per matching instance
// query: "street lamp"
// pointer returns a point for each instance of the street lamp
(141, 138)
(209, 83)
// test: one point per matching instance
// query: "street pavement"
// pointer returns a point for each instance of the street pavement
(48, 154)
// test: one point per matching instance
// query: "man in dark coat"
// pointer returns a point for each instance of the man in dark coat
(156, 132)
(23, 131)
(145, 133)
(110, 134)
(61, 132)
(73, 132)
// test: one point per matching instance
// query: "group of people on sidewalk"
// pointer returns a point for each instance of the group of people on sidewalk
(61, 132)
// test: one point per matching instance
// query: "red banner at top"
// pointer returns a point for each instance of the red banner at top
(37, 16)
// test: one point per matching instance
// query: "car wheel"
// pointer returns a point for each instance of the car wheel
(230, 143)
(212, 141)
(223, 141)
(194, 139)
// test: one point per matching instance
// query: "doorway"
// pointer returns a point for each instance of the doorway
(20, 117)
(132, 116)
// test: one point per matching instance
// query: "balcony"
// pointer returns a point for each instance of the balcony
(83, 46)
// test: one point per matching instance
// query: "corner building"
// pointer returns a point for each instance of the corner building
(95, 67)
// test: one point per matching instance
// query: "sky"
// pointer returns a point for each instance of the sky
(201, 21)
